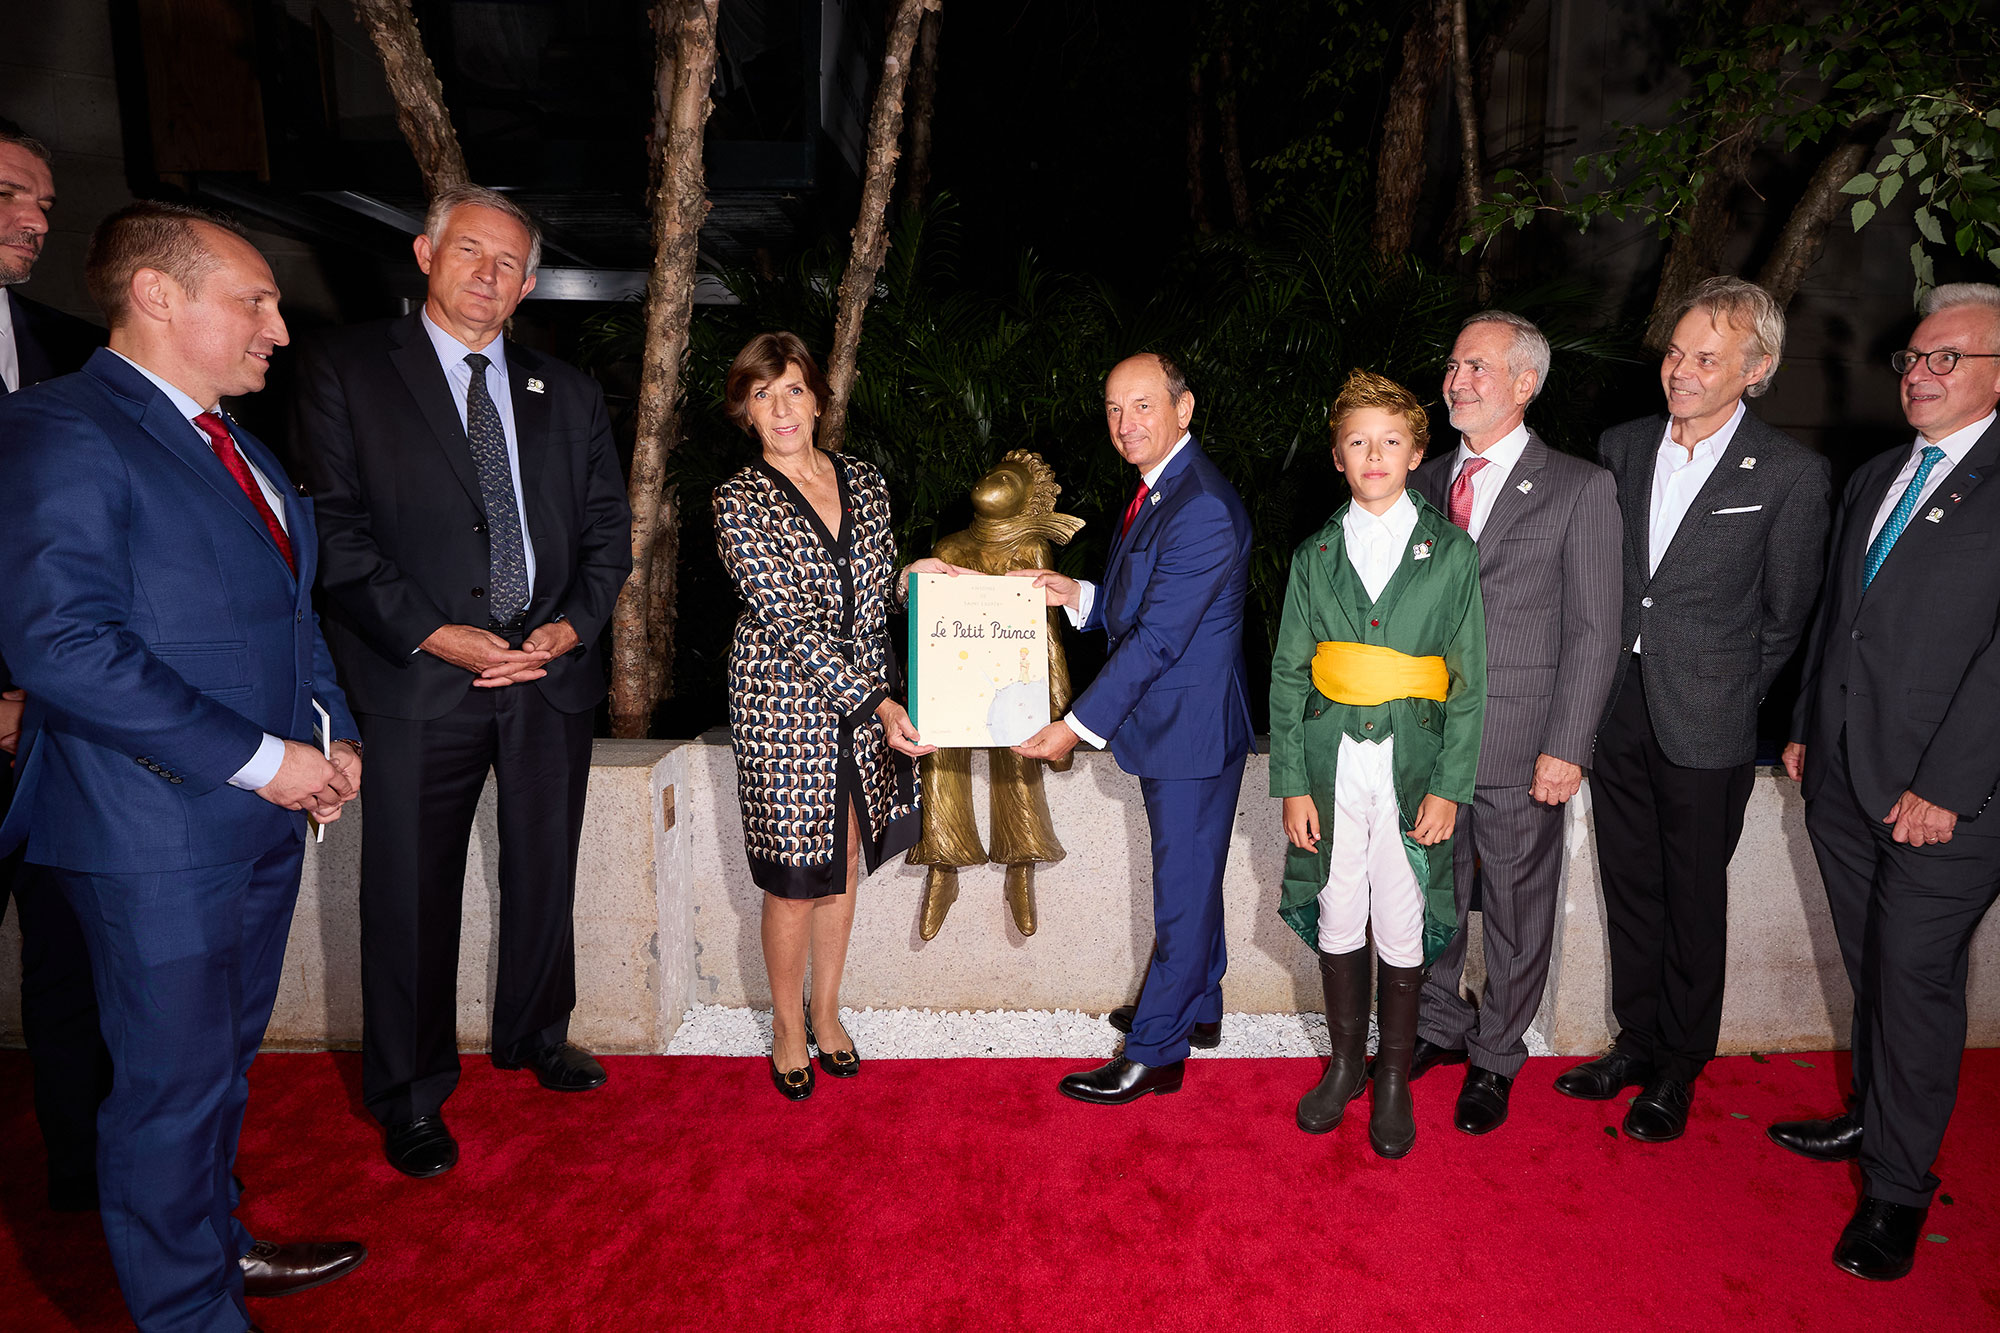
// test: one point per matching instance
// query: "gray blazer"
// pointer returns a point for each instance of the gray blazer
(1548, 572)
(1728, 606)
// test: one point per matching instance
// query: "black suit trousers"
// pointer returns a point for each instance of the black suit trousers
(1904, 917)
(424, 779)
(1664, 838)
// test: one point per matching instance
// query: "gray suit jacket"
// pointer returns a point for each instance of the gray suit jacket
(1728, 606)
(1548, 572)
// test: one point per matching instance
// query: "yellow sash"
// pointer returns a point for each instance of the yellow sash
(1366, 674)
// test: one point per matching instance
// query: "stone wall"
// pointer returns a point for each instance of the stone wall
(667, 916)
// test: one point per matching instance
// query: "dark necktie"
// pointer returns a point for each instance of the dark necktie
(507, 564)
(1132, 510)
(224, 445)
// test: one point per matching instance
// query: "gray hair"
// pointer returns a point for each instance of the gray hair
(1528, 351)
(1740, 305)
(1955, 294)
(25, 141)
(457, 196)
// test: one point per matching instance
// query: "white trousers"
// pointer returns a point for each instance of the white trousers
(1369, 873)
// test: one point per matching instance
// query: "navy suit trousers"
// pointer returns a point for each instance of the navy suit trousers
(186, 965)
(1190, 819)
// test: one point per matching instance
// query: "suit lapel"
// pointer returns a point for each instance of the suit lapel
(532, 413)
(1340, 586)
(1512, 501)
(298, 521)
(1944, 501)
(1154, 499)
(1426, 530)
(415, 359)
(33, 361)
(1730, 481)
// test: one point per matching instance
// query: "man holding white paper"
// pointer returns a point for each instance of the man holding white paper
(1170, 704)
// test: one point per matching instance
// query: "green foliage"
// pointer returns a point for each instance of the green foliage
(1932, 68)
(950, 379)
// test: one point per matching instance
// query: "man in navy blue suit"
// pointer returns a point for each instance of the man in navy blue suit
(159, 618)
(1170, 703)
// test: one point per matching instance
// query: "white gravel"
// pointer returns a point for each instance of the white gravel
(933, 1034)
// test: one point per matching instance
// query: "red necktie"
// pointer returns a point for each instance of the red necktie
(220, 440)
(1461, 493)
(1132, 510)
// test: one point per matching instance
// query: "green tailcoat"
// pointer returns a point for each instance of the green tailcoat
(1429, 608)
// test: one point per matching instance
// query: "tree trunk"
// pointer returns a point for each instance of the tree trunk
(419, 97)
(871, 235)
(1197, 183)
(1399, 170)
(923, 99)
(1472, 162)
(1805, 231)
(1697, 252)
(642, 636)
(1232, 145)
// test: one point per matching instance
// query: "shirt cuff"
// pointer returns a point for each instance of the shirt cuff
(1083, 733)
(263, 765)
(1086, 597)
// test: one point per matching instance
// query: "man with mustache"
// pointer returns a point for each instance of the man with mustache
(1898, 729)
(58, 1009)
(1547, 529)
(1725, 524)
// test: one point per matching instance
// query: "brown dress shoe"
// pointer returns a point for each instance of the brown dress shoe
(279, 1270)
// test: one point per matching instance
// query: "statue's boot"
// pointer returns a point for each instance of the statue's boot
(1344, 976)
(940, 892)
(1021, 896)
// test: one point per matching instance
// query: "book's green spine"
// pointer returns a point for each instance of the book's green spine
(916, 623)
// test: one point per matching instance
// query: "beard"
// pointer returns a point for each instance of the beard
(14, 272)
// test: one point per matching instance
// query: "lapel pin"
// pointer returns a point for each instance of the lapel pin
(1156, 498)
(1954, 497)
(1935, 516)
(1748, 464)
(1421, 551)
(1525, 487)
(534, 386)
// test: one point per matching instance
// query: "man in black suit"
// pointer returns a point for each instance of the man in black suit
(58, 1007)
(474, 536)
(1725, 527)
(1898, 752)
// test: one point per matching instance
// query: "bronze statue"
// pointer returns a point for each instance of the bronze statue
(1014, 526)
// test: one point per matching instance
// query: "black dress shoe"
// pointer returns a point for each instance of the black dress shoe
(794, 1084)
(422, 1147)
(1835, 1140)
(1202, 1036)
(1605, 1077)
(840, 1064)
(1880, 1241)
(279, 1270)
(1660, 1113)
(1482, 1102)
(1122, 1081)
(563, 1067)
(1428, 1055)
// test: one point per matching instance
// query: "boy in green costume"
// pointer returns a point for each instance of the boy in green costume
(1378, 695)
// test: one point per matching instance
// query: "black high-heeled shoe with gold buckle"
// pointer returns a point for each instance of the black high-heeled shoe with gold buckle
(795, 1084)
(840, 1064)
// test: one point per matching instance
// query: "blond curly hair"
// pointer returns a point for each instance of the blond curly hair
(1364, 388)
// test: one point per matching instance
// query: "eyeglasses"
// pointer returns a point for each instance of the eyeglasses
(1940, 362)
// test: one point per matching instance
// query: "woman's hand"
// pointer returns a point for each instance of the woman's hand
(1060, 589)
(1436, 818)
(930, 564)
(1302, 823)
(903, 737)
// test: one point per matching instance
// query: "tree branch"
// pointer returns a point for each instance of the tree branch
(414, 86)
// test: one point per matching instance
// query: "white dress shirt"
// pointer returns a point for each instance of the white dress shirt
(1955, 445)
(1678, 476)
(10, 348)
(1489, 481)
(264, 764)
(451, 354)
(1376, 543)
(1086, 591)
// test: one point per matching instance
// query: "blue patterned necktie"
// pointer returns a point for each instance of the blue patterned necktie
(507, 565)
(1878, 550)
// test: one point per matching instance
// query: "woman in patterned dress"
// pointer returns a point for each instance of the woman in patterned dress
(823, 752)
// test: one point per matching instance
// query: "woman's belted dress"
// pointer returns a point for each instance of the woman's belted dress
(810, 662)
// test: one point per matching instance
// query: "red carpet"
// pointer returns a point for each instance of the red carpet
(968, 1195)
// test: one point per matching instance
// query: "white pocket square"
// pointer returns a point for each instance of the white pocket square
(1740, 509)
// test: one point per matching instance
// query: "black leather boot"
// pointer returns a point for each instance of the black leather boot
(1392, 1125)
(1345, 978)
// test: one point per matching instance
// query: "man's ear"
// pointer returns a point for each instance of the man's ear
(1184, 409)
(422, 247)
(149, 294)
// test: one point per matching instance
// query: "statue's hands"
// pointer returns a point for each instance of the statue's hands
(902, 733)
(930, 564)
(1061, 589)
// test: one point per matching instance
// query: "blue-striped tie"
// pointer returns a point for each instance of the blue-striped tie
(1878, 550)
